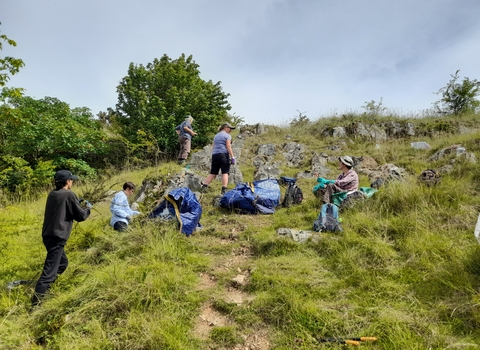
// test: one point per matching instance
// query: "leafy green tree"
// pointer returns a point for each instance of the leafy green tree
(458, 97)
(47, 129)
(157, 97)
(39, 136)
(9, 66)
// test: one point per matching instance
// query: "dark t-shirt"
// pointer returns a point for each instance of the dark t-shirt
(61, 210)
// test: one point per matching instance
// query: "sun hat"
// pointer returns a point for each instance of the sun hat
(226, 125)
(64, 175)
(348, 161)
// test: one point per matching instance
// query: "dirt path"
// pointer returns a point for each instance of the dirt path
(232, 294)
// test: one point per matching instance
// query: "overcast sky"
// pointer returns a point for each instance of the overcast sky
(275, 58)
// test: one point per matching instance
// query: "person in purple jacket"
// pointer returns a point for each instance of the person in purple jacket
(61, 209)
(347, 181)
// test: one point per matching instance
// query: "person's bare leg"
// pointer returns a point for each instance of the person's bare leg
(224, 180)
(207, 181)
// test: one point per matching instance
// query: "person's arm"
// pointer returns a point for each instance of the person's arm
(228, 144)
(79, 213)
(133, 212)
(349, 182)
(120, 207)
(190, 131)
(119, 212)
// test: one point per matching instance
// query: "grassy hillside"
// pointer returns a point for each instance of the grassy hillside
(406, 268)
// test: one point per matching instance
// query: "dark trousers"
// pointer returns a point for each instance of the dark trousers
(55, 264)
(120, 226)
(326, 193)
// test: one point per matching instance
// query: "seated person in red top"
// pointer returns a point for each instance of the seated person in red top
(347, 181)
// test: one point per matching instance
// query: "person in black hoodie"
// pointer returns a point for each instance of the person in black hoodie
(62, 208)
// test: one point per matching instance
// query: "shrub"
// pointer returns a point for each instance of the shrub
(76, 166)
(458, 98)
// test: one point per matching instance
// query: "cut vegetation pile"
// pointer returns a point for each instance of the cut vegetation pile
(405, 269)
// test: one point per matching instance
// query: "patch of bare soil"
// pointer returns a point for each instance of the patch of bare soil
(235, 296)
(239, 257)
(207, 319)
(256, 341)
(210, 318)
(206, 281)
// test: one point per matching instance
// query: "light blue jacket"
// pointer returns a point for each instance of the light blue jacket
(120, 209)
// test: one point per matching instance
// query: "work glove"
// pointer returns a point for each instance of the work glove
(85, 203)
(232, 161)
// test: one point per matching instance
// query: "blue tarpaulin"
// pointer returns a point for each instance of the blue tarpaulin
(181, 204)
(257, 197)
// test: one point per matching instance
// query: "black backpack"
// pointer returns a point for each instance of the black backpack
(294, 194)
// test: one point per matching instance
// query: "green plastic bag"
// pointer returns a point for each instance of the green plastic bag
(338, 197)
(368, 191)
(322, 183)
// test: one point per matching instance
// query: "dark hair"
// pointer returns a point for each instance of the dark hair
(129, 185)
(60, 184)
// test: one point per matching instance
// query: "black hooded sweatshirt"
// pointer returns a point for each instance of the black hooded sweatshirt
(61, 209)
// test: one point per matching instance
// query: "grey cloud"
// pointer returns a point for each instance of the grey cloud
(274, 56)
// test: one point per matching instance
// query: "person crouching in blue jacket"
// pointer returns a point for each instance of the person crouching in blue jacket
(120, 208)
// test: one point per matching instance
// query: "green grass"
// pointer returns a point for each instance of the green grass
(406, 268)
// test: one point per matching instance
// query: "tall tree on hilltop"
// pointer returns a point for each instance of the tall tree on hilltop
(157, 97)
(9, 66)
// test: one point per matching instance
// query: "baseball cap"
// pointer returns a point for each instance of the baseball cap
(64, 175)
(346, 160)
